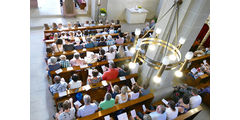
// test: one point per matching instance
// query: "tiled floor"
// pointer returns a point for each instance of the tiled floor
(42, 104)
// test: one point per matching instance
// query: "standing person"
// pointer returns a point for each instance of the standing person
(172, 111)
(68, 110)
(196, 99)
(75, 82)
(88, 108)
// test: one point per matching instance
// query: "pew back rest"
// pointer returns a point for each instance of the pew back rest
(190, 114)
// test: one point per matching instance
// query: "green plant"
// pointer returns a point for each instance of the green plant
(103, 10)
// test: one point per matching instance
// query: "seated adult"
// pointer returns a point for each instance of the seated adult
(55, 36)
(183, 104)
(104, 31)
(200, 52)
(78, 45)
(64, 62)
(95, 78)
(102, 56)
(123, 96)
(68, 110)
(86, 24)
(53, 65)
(100, 23)
(111, 30)
(111, 73)
(121, 53)
(77, 61)
(172, 111)
(69, 25)
(127, 52)
(111, 54)
(120, 40)
(54, 26)
(89, 43)
(79, 33)
(134, 94)
(75, 82)
(95, 42)
(115, 90)
(107, 103)
(92, 58)
(118, 22)
(78, 23)
(88, 108)
(92, 23)
(71, 35)
(59, 86)
(147, 27)
(124, 71)
(63, 35)
(102, 42)
(145, 89)
(110, 40)
(68, 46)
(112, 22)
(58, 46)
(158, 114)
(145, 117)
(152, 23)
(196, 99)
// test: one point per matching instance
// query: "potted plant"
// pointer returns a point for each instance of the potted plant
(103, 12)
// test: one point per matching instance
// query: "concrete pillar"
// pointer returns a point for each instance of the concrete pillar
(33, 4)
(192, 15)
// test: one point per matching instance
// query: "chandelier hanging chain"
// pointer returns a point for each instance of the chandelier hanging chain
(159, 20)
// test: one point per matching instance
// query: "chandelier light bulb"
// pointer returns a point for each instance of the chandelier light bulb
(132, 50)
(189, 55)
(172, 57)
(165, 60)
(152, 47)
(137, 31)
(178, 73)
(182, 40)
(157, 79)
(158, 30)
(132, 65)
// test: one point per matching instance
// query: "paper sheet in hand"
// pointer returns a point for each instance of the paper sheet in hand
(61, 94)
(126, 48)
(133, 81)
(83, 66)
(104, 83)
(103, 67)
(77, 103)
(87, 87)
(58, 71)
(144, 108)
(84, 39)
(107, 117)
(84, 49)
(165, 101)
(205, 62)
(122, 78)
(193, 70)
(133, 113)
(90, 72)
(128, 88)
(104, 36)
(69, 68)
(105, 48)
(89, 54)
(114, 47)
(122, 116)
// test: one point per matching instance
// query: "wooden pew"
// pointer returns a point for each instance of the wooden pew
(100, 114)
(96, 88)
(83, 50)
(47, 42)
(77, 68)
(191, 114)
(80, 28)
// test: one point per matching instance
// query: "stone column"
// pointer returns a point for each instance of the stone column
(192, 15)
(33, 4)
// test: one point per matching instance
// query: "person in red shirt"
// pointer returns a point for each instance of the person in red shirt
(111, 73)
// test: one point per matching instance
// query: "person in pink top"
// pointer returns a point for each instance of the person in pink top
(111, 73)
(120, 40)
(77, 61)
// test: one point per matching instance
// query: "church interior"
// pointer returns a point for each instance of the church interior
(120, 59)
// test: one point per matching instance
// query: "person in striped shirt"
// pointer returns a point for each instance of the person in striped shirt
(110, 40)
(64, 62)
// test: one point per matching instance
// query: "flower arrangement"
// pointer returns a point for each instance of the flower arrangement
(103, 11)
(139, 6)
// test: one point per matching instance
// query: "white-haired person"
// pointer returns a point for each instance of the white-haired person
(74, 82)
(158, 114)
(78, 44)
(64, 62)
(88, 108)
(52, 65)
(104, 31)
(77, 60)
(111, 54)
(59, 86)
(68, 110)
(107, 103)
(58, 46)
(111, 29)
(110, 40)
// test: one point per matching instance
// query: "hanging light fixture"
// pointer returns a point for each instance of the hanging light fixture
(169, 62)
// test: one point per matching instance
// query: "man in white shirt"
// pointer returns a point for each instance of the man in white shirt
(88, 108)
(196, 99)
(68, 110)
(159, 114)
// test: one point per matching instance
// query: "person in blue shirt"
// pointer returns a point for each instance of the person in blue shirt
(110, 40)
(89, 43)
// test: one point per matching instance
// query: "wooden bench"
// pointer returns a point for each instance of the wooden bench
(100, 114)
(95, 88)
(67, 74)
(191, 114)
(83, 50)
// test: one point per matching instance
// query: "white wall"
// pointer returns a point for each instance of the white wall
(116, 8)
(93, 9)
(158, 8)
